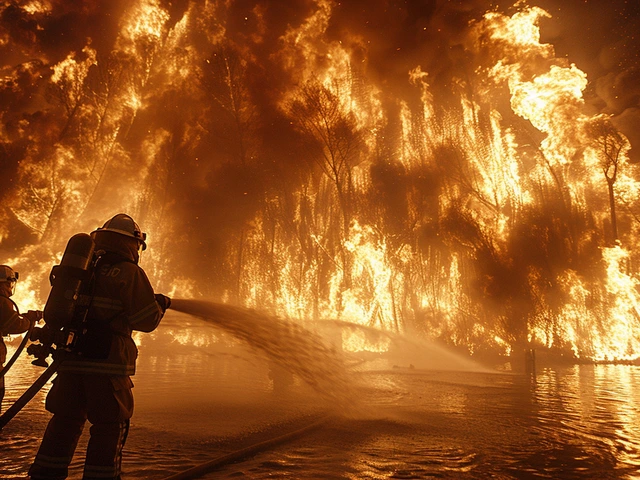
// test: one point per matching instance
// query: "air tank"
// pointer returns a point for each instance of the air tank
(68, 280)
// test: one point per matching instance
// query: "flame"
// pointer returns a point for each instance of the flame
(372, 296)
(373, 289)
(146, 20)
(499, 217)
(621, 322)
(357, 341)
(25, 296)
(37, 6)
(73, 72)
(183, 287)
(520, 30)
(29, 287)
(549, 101)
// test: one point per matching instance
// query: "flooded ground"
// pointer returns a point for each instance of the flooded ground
(201, 394)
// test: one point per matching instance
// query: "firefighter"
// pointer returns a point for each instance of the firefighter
(11, 322)
(93, 382)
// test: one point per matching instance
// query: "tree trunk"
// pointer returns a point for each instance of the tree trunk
(612, 206)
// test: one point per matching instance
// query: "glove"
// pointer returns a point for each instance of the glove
(42, 334)
(34, 316)
(163, 301)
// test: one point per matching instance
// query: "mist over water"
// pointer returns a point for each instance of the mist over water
(405, 349)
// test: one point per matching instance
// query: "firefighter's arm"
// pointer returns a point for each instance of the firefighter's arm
(163, 301)
(139, 301)
(11, 322)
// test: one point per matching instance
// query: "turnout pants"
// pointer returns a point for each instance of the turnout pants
(107, 402)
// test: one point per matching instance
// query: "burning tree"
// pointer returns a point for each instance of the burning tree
(609, 145)
(281, 157)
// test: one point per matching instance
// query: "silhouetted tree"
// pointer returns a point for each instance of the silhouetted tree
(609, 144)
(319, 112)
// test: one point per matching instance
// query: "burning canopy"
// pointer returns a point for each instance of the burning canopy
(452, 178)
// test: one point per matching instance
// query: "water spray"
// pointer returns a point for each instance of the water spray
(293, 347)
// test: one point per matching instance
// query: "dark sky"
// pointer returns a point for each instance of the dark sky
(603, 39)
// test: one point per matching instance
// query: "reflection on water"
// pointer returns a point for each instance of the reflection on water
(594, 409)
(210, 395)
(575, 422)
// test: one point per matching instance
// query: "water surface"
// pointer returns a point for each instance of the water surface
(201, 393)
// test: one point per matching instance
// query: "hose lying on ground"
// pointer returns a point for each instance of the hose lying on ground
(13, 410)
(202, 469)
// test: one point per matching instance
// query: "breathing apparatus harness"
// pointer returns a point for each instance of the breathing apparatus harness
(69, 300)
(67, 328)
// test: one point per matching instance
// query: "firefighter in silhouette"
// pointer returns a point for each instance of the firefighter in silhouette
(93, 381)
(11, 322)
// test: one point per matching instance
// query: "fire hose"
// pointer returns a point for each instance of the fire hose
(18, 351)
(13, 410)
(238, 455)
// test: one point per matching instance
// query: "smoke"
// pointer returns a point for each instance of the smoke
(429, 34)
(600, 40)
(251, 138)
(39, 34)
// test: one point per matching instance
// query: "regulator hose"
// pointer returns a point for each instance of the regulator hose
(13, 410)
(18, 351)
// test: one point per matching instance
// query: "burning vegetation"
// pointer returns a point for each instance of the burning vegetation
(447, 179)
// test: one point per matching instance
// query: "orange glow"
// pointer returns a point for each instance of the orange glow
(37, 6)
(274, 164)
(146, 19)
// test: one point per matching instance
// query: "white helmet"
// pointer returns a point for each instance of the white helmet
(124, 225)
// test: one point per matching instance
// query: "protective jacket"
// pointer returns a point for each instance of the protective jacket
(10, 322)
(93, 380)
(122, 301)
